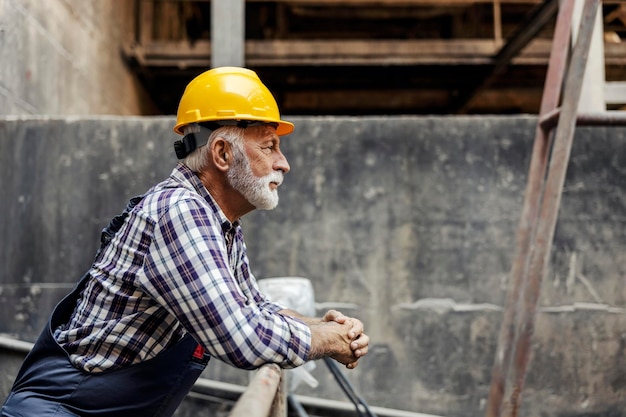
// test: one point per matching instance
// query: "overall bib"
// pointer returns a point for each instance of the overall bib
(49, 385)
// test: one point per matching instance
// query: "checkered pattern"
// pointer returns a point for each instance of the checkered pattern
(178, 265)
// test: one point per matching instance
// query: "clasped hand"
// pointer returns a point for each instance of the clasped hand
(351, 332)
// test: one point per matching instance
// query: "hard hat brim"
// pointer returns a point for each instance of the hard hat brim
(283, 127)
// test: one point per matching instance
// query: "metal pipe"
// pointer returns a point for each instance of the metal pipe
(362, 409)
(210, 390)
(15, 345)
(322, 406)
(607, 118)
(296, 406)
(542, 243)
(257, 400)
(279, 405)
(527, 223)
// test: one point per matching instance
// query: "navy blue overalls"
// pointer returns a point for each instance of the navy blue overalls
(49, 385)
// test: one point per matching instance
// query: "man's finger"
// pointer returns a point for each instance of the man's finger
(334, 315)
(357, 327)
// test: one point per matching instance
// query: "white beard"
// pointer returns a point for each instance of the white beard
(256, 190)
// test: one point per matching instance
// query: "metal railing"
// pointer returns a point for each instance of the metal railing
(265, 396)
(269, 383)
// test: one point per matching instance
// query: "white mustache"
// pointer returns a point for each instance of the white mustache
(276, 176)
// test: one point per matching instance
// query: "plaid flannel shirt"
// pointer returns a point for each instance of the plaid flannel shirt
(178, 265)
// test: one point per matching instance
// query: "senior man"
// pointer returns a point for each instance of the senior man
(171, 284)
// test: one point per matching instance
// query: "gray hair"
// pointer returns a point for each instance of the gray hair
(198, 160)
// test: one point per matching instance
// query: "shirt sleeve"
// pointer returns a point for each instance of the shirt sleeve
(187, 271)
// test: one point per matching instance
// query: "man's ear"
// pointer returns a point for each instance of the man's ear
(220, 153)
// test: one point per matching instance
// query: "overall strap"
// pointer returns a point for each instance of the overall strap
(116, 223)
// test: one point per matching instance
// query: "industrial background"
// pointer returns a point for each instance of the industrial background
(414, 134)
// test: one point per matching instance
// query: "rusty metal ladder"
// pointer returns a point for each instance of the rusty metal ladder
(550, 157)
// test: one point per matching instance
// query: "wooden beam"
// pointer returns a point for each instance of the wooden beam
(389, 3)
(353, 52)
(397, 2)
(412, 100)
(539, 17)
(497, 21)
(146, 14)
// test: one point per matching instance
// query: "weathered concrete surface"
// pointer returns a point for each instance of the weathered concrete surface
(407, 223)
(63, 57)
(10, 364)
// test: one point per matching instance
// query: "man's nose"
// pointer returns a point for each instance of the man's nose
(281, 163)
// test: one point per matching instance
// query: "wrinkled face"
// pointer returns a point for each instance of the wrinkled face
(258, 167)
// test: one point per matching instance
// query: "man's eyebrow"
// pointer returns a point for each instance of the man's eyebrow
(270, 137)
(271, 142)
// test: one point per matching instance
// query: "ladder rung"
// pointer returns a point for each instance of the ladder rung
(608, 118)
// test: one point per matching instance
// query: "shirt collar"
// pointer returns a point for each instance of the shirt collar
(182, 174)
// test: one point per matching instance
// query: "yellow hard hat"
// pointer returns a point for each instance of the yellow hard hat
(228, 95)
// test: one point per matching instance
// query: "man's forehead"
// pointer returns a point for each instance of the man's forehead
(265, 131)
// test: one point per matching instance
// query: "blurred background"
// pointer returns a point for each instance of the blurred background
(415, 122)
(354, 57)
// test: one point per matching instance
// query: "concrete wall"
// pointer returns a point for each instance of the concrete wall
(62, 57)
(406, 222)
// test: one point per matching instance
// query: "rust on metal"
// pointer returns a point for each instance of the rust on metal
(541, 248)
(608, 118)
(538, 164)
(541, 205)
